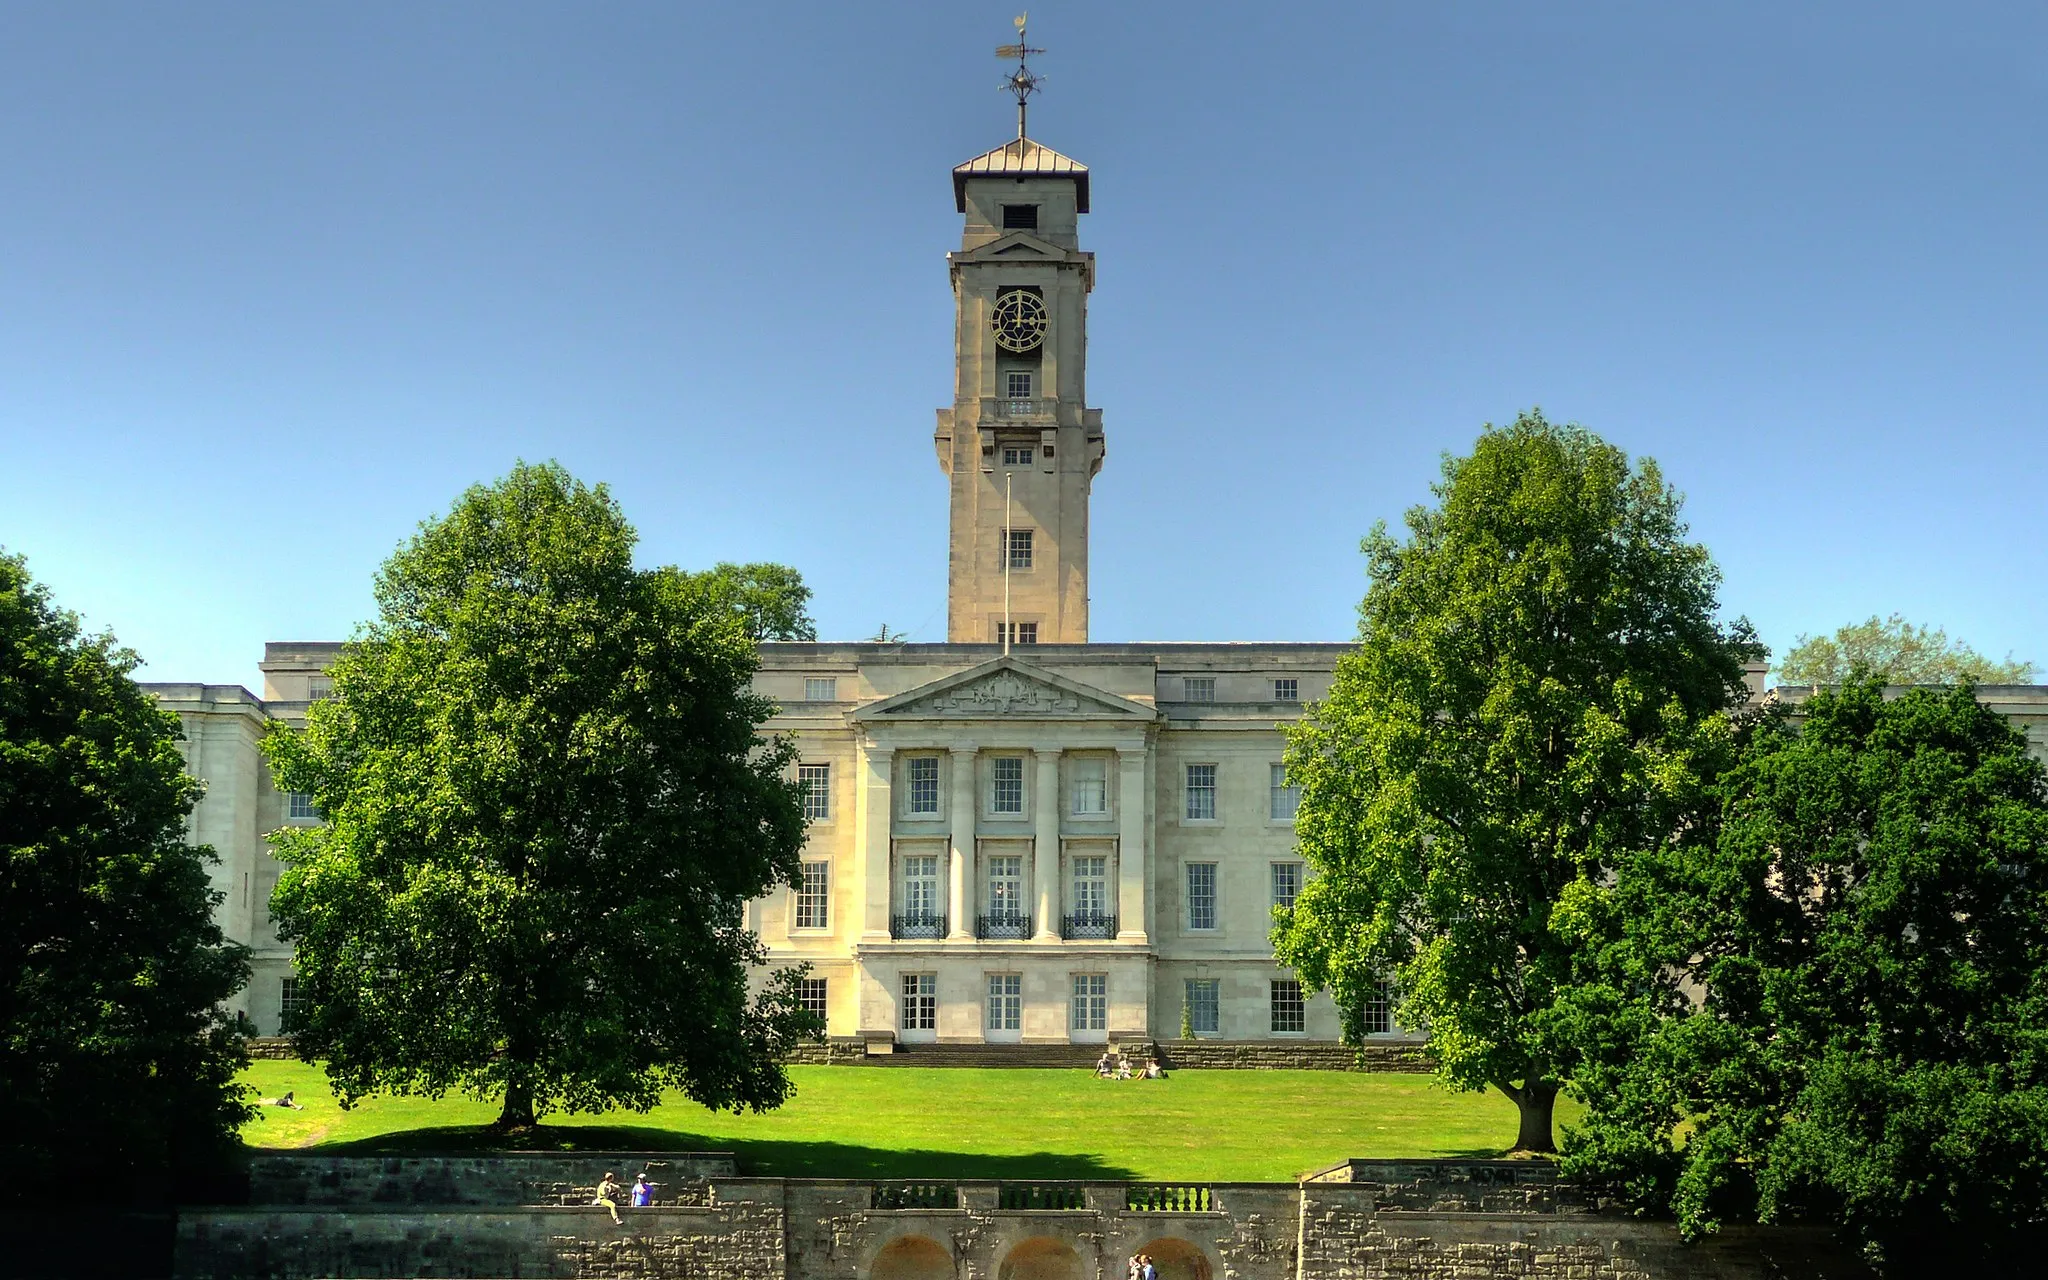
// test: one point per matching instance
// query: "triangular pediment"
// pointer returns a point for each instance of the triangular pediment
(1005, 689)
(1013, 246)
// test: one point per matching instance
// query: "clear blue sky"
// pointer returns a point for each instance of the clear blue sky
(278, 281)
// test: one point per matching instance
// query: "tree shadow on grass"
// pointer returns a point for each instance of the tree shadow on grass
(772, 1158)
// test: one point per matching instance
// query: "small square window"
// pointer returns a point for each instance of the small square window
(816, 780)
(1286, 883)
(1020, 632)
(1017, 386)
(814, 898)
(1201, 895)
(1006, 784)
(821, 689)
(1287, 690)
(811, 992)
(1201, 792)
(1020, 217)
(1288, 1013)
(924, 785)
(1284, 798)
(1198, 688)
(1202, 1006)
(299, 805)
(1019, 543)
(1017, 455)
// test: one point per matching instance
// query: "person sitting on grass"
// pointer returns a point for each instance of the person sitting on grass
(284, 1100)
(643, 1191)
(1105, 1066)
(608, 1195)
(1153, 1071)
(1123, 1068)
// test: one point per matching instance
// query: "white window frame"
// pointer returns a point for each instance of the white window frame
(912, 784)
(1198, 688)
(298, 806)
(1003, 872)
(1283, 798)
(919, 1007)
(1192, 916)
(998, 787)
(1003, 1011)
(812, 900)
(921, 869)
(1286, 689)
(1018, 455)
(289, 1000)
(816, 780)
(1088, 1002)
(1376, 1017)
(1275, 1006)
(1286, 881)
(1088, 780)
(1211, 1005)
(1020, 548)
(807, 988)
(1198, 788)
(821, 688)
(1017, 384)
(1088, 884)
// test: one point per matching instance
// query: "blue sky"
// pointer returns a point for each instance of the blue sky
(278, 281)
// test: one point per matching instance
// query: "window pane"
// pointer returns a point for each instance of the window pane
(1199, 688)
(1020, 539)
(924, 784)
(1005, 1001)
(817, 784)
(1017, 386)
(1091, 786)
(814, 898)
(1006, 793)
(821, 689)
(920, 1002)
(1027, 633)
(299, 805)
(811, 991)
(921, 886)
(1288, 1014)
(1202, 1006)
(1287, 690)
(1201, 895)
(1286, 799)
(1201, 791)
(1090, 1007)
(1377, 1015)
(1286, 883)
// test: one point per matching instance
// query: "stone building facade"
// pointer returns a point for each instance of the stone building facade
(1017, 836)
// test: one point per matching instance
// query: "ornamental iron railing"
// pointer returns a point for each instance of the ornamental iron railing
(917, 1195)
(1003, 924)
(1041, 1195)
(917, 924)
(1088, 924)
(1168, 1197)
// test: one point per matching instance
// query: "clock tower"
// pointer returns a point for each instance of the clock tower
(1019, 443)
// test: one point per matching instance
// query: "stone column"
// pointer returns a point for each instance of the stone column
(1045, 825)
(1132, 808)
(873, 808)
(960, 896)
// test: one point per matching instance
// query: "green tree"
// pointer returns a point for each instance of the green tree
(771, 599)
(546, 804)
(1869, 925)
(1899, 653)
(113, 975)
(1539, 685)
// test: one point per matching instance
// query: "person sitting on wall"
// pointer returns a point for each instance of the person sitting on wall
(608, 1195)
(643, 1191)
(1105, 1066)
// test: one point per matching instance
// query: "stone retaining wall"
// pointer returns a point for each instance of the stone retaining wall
(274, 1048)
(839, 1051)
(1292, 1055)
(510, 1178)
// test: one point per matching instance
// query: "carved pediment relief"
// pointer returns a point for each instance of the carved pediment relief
(1003, 690)
(1004, 694)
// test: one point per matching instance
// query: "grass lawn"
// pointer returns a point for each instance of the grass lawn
(909, 1122)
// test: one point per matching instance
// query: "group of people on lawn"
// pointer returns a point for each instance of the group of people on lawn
(1117, 1066)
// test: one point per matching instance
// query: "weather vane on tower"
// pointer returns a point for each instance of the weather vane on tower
(1022, 82)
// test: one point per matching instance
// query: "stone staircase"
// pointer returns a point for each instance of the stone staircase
(1079, 1057)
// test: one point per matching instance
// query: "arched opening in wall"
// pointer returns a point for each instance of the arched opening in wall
(912, 1258)
(1041, 1258)
(1177, 1259)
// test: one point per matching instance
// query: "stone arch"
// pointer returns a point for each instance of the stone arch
(1177, 1259)
(912, 1258)
(1042, 1258)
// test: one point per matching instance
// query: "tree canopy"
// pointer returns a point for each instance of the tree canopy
(1867, 926)
(1897, 652)
(113, 975)
(1538, 681)
(771, 600)
(547, 803)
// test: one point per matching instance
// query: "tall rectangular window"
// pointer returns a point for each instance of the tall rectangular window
(1286, 883)
(1090, 787)
(1091, 886)
(1201, 895)
(1286, 689)
(923, 778)
(816, 780)
(1005, 1001)
(920, 1008)
(1202, 1006)
(1006, 784)
(298, 804)
(811, 994)
(821, 688)
(1201, 791)
(921, 886)
(1288, 1013)
(1090, 1009)
(1198, 688)
(1006, 885)
(1019, 543)
(814, 897)
(1284, 796)
(1376, 1016)
(289, 1003)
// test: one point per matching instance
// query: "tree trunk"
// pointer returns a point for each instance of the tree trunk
(1536, 1102)
(518, 1111)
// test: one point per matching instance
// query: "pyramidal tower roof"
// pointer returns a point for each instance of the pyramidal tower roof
(1020, 158)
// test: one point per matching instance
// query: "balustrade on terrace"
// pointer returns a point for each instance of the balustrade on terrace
(917, 924)
(1003, 924)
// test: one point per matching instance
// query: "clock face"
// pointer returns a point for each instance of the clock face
(1019, 321)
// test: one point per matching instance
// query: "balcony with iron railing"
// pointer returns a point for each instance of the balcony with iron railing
(1003, 924)
(917, 924)
(1088, 924)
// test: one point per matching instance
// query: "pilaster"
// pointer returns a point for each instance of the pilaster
(1045, 868)
(961, 814)
(1132, 869)
(873, 809)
